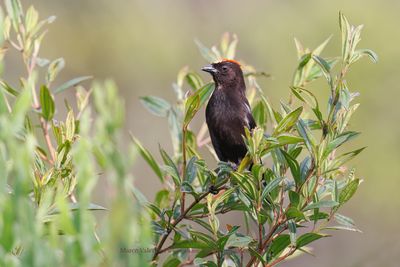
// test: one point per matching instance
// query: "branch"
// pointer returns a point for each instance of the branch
(159, 249)
(184, 129)
(267, 240)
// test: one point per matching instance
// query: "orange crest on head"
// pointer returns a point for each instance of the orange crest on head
(232, 61)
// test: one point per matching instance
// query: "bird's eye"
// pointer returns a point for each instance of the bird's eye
(224, 68)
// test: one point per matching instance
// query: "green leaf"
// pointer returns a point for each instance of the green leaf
(294, 198)
(345, 29)
(319, 216)
(190, 244)
(342, 159)
(205, 92)
(278, 245)
(14, 11)
(174, 175)
(338, 141)
(221, 242)
(204, 238)
(307, 239)
(299, 48)
(194, 80)
(192, 106)
(207, 54)
(76, 206)
(222, 197)
(304, 60)
(309, 139)
(341, 227)
(47, 103)
(316, 71)
(8, 88)
(191, 170)
(187, 188)
(156, 105)
(156, 210)
(344, 220)
(270, 187)
(322, 204)
(288, 122)
(259, 113)
(238, 241)
(292, 232)
(54, 68)
(255, 253)
(294, 167)
(171, 261)
(230, 52)
(162, 198)
(149, 159)
(310, 100)
(71, 83)
(168, 161)
(347, 193)
(70, 126)
(199, 261)
(325, 67)
(367, 52)
(287, 138)
(294, 213)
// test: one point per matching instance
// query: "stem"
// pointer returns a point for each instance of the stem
(334, 97)
(44, 126)
(260, 239)
(184, 129)
(267, 240)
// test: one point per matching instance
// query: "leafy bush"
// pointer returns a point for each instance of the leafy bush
(50, 164)
(49, 167)
(297, 180)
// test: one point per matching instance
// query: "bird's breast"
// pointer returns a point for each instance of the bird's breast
(227, 117)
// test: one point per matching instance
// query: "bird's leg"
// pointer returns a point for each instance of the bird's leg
(213, 190)
(233, 165)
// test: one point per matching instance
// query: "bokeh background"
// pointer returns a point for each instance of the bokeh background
(142, 44)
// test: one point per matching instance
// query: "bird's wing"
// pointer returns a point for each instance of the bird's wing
(216, 144)
(251, 124)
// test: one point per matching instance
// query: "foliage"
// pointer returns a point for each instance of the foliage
(50, 160)
(292, 182)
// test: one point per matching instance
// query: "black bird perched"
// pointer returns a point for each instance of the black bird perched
(228, 111)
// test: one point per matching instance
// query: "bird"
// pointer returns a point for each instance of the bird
(228, 112)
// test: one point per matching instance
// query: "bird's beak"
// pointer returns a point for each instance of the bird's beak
(209, 69)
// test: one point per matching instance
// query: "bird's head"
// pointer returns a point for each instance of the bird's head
(226, 73)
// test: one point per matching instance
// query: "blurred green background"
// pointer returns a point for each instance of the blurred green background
(142, 45)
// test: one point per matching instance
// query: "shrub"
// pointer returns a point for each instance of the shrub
(49, 167)
(297, 182)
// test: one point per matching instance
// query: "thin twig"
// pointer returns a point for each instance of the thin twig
(184, 130)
